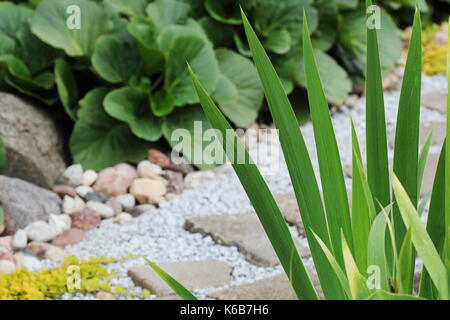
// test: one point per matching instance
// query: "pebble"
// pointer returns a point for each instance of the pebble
(89, 177)
(41, 231)
(113, 203)
(103, 295)
(82, 191)
(148, 190)
(6, 242)
(96, 196)
(116, 180)
(6, 254)
(31, 263)
(20, 239)
(54, 253)
(69, 237)
(7, 267)
(86, 219)
(2, 228)
(176, 183)
(60, 222)
(127, 201)
(122, 217)
(140, 209)
(72, 176)
(146, 169)
(195, 179)
(158, 158)
(38, 248)
(72, 204)
(64, 190)
(104, 210)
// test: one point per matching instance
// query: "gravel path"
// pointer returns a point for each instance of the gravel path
(159, 234)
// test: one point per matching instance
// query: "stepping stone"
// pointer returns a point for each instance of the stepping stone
(439, 128)
(191, 274)
(273, 288)
(289, 208)
(429, 173)
(435, 100)
(243, 231)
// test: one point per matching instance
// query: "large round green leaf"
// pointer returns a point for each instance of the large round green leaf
(225, 11)
(131, 105)
(67, 87)
(167, 12)
(326, 33)
(184, 130)
(129, 7)
(99, 141)
(352, 33)
(116, 61)
(50, 23)
(335, 80)
(243, 108)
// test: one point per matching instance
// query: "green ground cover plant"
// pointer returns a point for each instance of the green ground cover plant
(118, 69)
(366, 250)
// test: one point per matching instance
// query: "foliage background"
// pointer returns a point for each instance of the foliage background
(122, 78)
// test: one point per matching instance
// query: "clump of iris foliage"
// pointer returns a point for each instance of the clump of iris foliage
(365, 250)
(122, 78)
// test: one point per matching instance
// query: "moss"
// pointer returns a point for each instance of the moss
(434, 55)
(53, 283)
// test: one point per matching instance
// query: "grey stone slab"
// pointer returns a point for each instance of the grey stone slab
(192, 274)
(243, 231)
(426, 128)
(435, 100)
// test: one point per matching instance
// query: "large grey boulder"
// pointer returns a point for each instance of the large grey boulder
(25, 203)
(33, 143)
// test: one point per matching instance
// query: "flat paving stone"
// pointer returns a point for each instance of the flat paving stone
(426, 128)
(435, 100)
(192, 274)
(273, 288)
(243, 231)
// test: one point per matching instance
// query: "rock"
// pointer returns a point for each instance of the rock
(68, 238)
(41, 231)
(39, 248)
(127, 201)
(6, 254)
(72, 176)
(272, 288)
(435, 100)
(103, 295)
(122, 217)
(176, 182)
(192, 274)
(72, 204)
(7, 267)
(170, 196)
(96, 196)
(20, 239)
(146, 169)
(148, 190)
(158, 158)
(25, 203)
(82, 191)
(86, 219)
(60, 222)
(64, 191)
(34, 145)
(6, 242)
(195, 179)
(89, 177)
(429, 173)
(104, 210)
(116, 180)
(140, 209)
(115, 204)
(243, 231)
(439, 128)
(31, 263)
(2, 228)
(289, 208)
(180, 164)
(54, 253)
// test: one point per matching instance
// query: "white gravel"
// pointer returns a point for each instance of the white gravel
(159, 234)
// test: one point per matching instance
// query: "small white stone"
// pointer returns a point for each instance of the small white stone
(82, 191)
(195, 179)
(7, 267)
(54, 253)
(122, 217)
(20, 239)
(127, 201)
(60, 222)
(71, 205)
(104, 210)
(31, 263)
(41, 231)
(89, 177)
(72, 176)
(146, 169)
